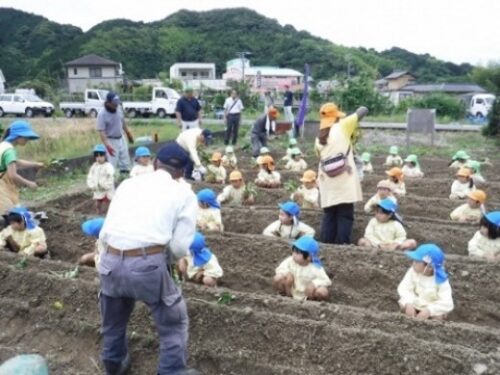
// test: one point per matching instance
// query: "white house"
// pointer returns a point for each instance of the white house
(2, 82)
(92, 71)
(192, 71)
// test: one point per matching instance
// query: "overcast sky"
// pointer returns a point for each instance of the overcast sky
(454, 30)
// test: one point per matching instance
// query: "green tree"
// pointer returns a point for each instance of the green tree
(445, 105)
(493, 127)
(488, 77)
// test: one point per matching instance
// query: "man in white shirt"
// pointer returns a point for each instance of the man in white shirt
(148, 213)
(232, 114)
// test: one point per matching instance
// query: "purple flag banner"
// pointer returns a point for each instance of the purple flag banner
(301, 115)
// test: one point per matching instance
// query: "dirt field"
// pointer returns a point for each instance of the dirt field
(358, 331)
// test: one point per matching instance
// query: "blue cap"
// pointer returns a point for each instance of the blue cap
(93, 227)
(21, 129)
(142, 151)
(433, 255)
(173, 155)
(291, 208)
(207, 135)
(310, 246)
(100, 148)
(388, 205)
(112, 97)
(26, 215)
(201, 253)
(208, 196)
(493, 218)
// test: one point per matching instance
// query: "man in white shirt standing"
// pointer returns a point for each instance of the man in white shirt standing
(232, 114)
(148, 213)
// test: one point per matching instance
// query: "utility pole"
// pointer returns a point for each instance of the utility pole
(242, 55)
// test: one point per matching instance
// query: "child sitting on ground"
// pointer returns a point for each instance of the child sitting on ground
(235, 195)
(209, 217)
(296, 163)
(396, 179)
(385, 231)
(475, 168)
(302, 275)
(307, 195)
(263, 152)
(142, 162)
(288, 224)
(471, 211)
(393, 159)
(229, 160)
(23, 235)
(459, 160)
(200, 265)
(92, 228)
(411, 169)
(384, 190)
(101, 180)
(425, 292)
(216, 173)
(292, 143)
(486, 241)
(367, 164)
(463, 185)
(268, 177)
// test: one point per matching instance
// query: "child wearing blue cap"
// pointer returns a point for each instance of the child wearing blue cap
(200, 265)
(385, 231)
(92, 228)
(486, 241)
(142, 162)
(425, 292)
(288, 224)
(302, 275)
(209, 216)
(101, 180)
(393, 159)
(23, 235)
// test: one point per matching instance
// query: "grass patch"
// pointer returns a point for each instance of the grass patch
(52, 187)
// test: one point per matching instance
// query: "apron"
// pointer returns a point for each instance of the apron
(9, 196)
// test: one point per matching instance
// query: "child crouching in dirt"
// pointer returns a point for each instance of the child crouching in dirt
(268, 177)
(236, 194)
(101, 180)
(463, 185)
(459, 160)
(288, 224)
(302, 275)
(411, 169)
(23, 235)
(384, 190)
(367, 164)
(425, 292)
(486, 241)
(209, 216)
(92, 228)
(142, 162)
(471, 211)
(393, 159)
(292, 144)
(296, 163)
(396, 179)
(200, 265)
(229, 159)
(385, 231)
(216, 173)
(475, 168)
(307, 195)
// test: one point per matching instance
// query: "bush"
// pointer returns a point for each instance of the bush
(445, 105)
(493, 127)
(41, 88)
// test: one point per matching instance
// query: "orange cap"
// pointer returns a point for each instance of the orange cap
(308, 176)
(394, 172)
(235, 176)
(329, 113)
(464, 172)
(267, 160)
(216, 156)
(477, 195)
(273, 112)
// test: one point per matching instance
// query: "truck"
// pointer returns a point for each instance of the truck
(24, 102)
(92, 104)
(162, 104)
(480, 105)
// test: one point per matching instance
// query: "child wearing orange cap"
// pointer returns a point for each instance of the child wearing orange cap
(471, 211)
(307, 195)
(267, 176)
(384, 190)
(463, 184)
(216, 173)
(396, 178)
(296, 163)
(234, 195)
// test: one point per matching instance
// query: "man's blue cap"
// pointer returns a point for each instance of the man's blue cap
(388, 205)
(93, 227)
(173, 155)
(142, 151)
(291, 208)
(100, 148)
(207, 135)
(21, 129)
(493, 217)
(433, 255)
(112, 97)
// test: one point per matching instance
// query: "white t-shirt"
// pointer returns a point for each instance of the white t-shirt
(233, 109)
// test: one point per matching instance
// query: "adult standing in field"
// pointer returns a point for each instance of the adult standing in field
(112, 130)
(188, 111)
(339, 184)
(18, 134)
(232, 115)
(287, 109)
(261, 129)
(147, 214)
(190, 140)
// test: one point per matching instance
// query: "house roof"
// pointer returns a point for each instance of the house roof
(454, 88)
(92, 60)
(193, 65)
(272, 71)
(399, 73)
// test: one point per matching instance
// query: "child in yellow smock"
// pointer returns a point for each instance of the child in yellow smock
(471, 211)
(307, 195)
(463, 185)
(486, 241)
(209, 217)
(288, 224)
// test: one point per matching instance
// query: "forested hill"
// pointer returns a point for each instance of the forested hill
(34, 47)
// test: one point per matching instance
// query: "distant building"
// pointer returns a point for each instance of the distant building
(2, 82)
(327, 86)
(395, 81)
(92, 71)
(192, 71)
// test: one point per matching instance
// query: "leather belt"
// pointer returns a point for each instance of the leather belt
(136, 252)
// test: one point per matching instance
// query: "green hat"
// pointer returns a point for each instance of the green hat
(461, 155)
(188, 89)
(412, 159)
(474, 165)
(393, 150)
(295, 151)
(264, 150)
(292, 142)
(366, 157)
(229, 149)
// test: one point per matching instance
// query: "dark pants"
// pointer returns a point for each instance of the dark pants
(125, 280)
(232, 127)
(188, 170)
(336, 224)
(258, 141)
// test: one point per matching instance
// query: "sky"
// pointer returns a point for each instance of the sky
(452, 30)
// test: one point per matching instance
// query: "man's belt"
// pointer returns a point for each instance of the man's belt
(157, 249)
(120, 137)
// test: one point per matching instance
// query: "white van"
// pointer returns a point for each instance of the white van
(480, 104)
(28, 105)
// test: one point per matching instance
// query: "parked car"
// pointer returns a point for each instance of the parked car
(26, 104)
(92, 104)
(162, 104)
(480, 105)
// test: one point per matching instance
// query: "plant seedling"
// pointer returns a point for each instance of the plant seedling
(22, 263)
(225, 298)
